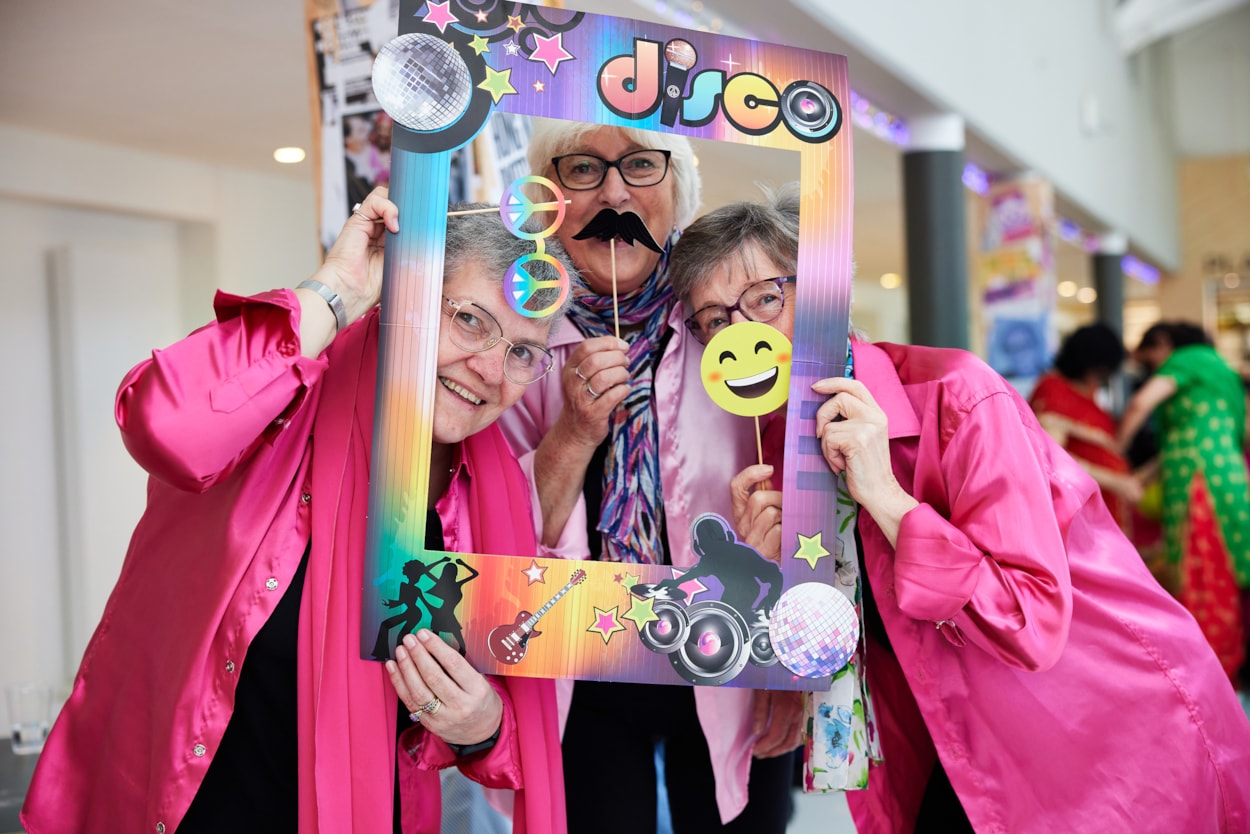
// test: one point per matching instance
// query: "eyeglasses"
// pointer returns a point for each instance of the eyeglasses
(474, 329)
(762, 301)
(583, 171)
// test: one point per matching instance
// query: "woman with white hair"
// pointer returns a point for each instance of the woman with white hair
(622, 463)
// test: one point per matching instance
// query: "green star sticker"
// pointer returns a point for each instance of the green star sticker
(641, 612)
(629, 581)
(497, 84)
(478, 45)
(810, 549)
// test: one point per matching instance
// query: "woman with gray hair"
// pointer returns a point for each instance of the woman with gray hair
(224, 688)
(623, 459)
(1024, 664)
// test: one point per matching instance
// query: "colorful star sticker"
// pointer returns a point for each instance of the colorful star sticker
(512, 48)
(515, 24)
(497, 83)
(550, 51)
(478, 45)
(629, 581)
(642, 612)
(690, 586)
(535, 572)
(606, 624)
(539, 86)
(481, 16)
(440, 15)
(810, 549)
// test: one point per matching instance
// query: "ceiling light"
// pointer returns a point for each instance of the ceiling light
(1087, 295)
(891, 280)
(289, 156)
(1067, 289)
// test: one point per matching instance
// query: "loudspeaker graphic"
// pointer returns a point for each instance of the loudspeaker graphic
(810, 111)
(715, 649)
(665, 635)
(681, 57)
(762, 653)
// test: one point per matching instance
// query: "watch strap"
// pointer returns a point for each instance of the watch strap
(331, 297)
(462, 750)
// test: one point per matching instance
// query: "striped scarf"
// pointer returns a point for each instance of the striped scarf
(633, 505)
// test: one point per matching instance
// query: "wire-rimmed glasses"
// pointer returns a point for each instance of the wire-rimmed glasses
(584, 171)
(761, 301)
(474, 329)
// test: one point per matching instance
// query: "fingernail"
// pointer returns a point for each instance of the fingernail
(410, 641)
(624, 345)
(425, 635)
(400, 653)
(391, 668)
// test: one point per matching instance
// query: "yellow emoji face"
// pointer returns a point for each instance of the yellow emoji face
(746, 368)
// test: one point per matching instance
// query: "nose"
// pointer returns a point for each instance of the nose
(613, 190)
(737, 317)
(488, 364)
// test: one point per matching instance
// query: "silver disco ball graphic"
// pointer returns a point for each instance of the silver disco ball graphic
(421, 82)
(814, 630)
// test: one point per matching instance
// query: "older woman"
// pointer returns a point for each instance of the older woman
(223, 689)
(623, 459)
(1028, 673)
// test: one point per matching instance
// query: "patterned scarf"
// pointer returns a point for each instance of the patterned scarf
(630, 518)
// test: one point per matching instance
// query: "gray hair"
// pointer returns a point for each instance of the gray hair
(772, 225)
(483, 239)
(551, 138)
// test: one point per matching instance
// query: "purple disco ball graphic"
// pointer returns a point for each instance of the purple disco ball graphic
(421, 82)
(814, 630)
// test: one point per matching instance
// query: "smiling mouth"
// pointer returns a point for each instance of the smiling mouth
(750, 387)
(461, 392)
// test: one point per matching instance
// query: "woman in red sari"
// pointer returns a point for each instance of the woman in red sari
(1064, 402)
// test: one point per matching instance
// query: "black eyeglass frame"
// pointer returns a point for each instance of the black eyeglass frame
(780, 281)
(451, 306)
(609, 164)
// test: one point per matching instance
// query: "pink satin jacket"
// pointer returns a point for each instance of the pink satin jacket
(701, 448)
(225, 422)
(1061, 686)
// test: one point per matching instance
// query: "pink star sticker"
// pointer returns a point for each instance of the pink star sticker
(440, 15)
(534, 573)
(690, 586)
(550, 51)
(606, 624)
(480, 15)
(538, 88)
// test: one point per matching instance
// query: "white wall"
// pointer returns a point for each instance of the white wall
(1020, 74)
(135, 245)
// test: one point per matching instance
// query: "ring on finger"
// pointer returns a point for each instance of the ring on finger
(415, 716)
(433, 706)
(577, 369)
(594, 395)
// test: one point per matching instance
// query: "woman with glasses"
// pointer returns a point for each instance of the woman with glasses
(623, 459)
(1027, 672)
(224, 689)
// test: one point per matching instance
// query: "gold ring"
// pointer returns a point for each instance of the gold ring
(433, 706)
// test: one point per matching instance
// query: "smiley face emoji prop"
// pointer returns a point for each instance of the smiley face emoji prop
(746, 369)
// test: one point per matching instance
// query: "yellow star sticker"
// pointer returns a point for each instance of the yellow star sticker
(810, 549)
(629, 581)
(641, 612)
(515, 24)
(478, 45)
(497, 84)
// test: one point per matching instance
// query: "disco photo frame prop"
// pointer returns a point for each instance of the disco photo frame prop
(458, 63)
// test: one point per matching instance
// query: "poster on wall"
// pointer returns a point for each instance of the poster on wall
(469, 75)
(1017, 270)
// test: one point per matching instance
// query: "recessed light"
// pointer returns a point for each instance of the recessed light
(1067, 289)
(1087, 295)
(891, 280)
(289, 156)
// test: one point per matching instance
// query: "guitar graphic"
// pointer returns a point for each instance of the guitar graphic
(508, 642)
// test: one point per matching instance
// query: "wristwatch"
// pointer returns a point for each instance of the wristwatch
(462, 750)
(331, 297)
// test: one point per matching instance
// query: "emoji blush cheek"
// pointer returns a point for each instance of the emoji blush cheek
(783, 358)
(715, 376)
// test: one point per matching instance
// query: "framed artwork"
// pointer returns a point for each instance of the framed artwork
(453, 68)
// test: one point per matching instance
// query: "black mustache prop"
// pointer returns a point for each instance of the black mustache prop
(627, 226)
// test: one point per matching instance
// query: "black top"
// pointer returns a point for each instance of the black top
(253, 781)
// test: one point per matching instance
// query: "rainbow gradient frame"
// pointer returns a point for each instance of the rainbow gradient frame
(559, 63)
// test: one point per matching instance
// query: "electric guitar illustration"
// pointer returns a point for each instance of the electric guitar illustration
(509, 641)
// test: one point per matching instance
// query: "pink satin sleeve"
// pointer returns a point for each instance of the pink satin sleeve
(995, 574)
(500, 767)
(193, 411)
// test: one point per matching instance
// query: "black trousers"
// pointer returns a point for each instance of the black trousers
(609, 765)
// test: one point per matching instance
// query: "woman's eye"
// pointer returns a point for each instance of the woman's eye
(639, 164)
(524, 354)
(469, 321)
